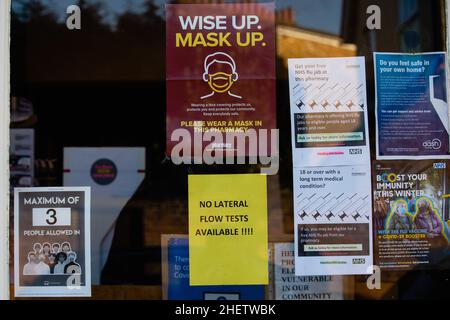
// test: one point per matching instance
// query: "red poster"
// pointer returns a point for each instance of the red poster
(220, 71)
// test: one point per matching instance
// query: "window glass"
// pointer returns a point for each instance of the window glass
(99, 93)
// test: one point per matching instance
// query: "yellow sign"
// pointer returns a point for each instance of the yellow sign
(228, 240)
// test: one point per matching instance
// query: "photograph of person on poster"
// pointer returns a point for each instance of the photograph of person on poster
(46, 248)
(61, 258)
(56, 248)
(71, 266)
(28, 269)
(42, 261)
(37, 247)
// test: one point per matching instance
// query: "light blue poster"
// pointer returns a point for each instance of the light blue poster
(411, 106)
(178, 287)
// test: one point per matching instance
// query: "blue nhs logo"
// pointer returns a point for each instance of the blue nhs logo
(440, 165)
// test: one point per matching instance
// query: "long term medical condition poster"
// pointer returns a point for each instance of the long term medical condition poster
(328, 111)
(332, 220)
(411, 214)
(52, 250)
(331, 166)
(411, 106)
(220, 71)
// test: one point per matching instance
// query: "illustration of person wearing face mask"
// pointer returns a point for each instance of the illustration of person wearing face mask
(220, 74)
(427, 218)
(400, 218)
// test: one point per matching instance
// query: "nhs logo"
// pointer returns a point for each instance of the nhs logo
(355, 151)
(439, 165)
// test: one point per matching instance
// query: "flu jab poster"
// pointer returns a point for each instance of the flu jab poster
(52, 251)
(220, 71)
(411, 214)
(411, 106)
(332, 220)
(331, 171)
(328, 111)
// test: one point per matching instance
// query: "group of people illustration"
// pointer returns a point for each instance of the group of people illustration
(48, 259)
(423, 217)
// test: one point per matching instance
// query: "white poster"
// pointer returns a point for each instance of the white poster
(331, 163)
(328, 111)
(332, 220)
(52, 248)
(21, 158)
(287, 286)
(114, 174)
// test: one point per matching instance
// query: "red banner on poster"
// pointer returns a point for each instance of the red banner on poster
(220, 72)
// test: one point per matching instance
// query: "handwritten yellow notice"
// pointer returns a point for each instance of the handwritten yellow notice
(228, 229)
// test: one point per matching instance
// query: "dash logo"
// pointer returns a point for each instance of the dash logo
(434, 144)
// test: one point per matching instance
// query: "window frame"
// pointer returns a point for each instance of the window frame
(5, 15)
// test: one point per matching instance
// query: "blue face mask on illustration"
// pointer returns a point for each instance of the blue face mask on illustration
(401, 210)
